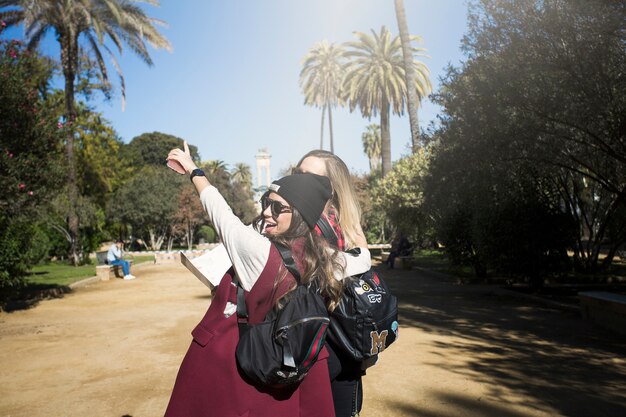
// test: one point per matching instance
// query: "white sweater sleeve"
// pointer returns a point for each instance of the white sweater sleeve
(354, 264)
(248, 249)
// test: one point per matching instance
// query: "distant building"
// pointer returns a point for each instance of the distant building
(263, 176)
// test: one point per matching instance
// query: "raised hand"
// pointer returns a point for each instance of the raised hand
(180, 160)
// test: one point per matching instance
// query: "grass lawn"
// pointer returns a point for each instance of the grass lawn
(50, 280)
(61, 274)
(435, 260)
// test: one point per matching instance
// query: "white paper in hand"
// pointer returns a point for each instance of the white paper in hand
(210, 267)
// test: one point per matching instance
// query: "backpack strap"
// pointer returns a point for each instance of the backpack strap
(242, 309)
(285, 253)
(327, 230)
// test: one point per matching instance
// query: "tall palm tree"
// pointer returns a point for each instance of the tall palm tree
(409, 73)
(375, 83)
(321, 78)
(82, 27)
(372, 146)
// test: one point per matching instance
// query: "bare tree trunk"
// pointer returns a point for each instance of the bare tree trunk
(409, 73)
(156, 241)
(69, 59)
(189, 235)
(385, 137)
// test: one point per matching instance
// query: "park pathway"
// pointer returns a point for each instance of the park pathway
(113, 349)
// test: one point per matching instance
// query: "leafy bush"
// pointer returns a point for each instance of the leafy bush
(15, 242)
(208, 234)
(30, 152)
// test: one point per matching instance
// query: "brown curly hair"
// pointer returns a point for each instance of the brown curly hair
(319, 260)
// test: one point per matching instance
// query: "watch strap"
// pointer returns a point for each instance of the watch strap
(196, 173)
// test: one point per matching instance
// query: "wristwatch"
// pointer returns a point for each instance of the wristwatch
(196, 173)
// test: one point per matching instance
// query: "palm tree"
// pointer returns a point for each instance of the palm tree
(216, 166)
(409, 73)
(321, 78)
(81, 28)
(375, 83)
(372, 146)
(242, 174)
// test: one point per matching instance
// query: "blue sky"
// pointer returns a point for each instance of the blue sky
(230, 85)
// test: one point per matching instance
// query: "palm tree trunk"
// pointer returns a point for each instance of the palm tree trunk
(69, 62)
(409, 73)
(330, 127)
(385, 137)
(322, 128)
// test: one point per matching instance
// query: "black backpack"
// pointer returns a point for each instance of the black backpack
(280, 351)
(365, 322)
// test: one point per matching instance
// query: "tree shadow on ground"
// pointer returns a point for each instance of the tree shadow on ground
(553, 356)
(30, 295)
(470, 407)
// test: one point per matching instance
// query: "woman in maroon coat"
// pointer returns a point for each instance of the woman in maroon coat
(209, 382)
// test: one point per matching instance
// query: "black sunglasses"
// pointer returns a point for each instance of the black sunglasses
(276, 207)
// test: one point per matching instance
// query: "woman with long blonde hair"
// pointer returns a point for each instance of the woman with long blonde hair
(343, 213)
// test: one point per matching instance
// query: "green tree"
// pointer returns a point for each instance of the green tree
(373, 220)
(539, 94)
(189, 216)
(375, 81)
(237, 194)
(29, 136)
(400, 195)
(148, 202)
(78, 24)
(409, 73)
(30, 157)
(321, 78)
(242, 174)
(372, 146)
(91, 219)
(216, 168)
(101, 165)
(497, 216)
(152, 148)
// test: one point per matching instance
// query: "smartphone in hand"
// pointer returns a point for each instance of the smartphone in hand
(175, 166)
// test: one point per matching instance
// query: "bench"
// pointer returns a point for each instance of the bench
(377, 249)
(606, 309)
(403, 262)
(105, 271)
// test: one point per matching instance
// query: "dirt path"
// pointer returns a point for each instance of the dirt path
(113, 349)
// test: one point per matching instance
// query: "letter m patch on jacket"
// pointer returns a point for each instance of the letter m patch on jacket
(379, 341)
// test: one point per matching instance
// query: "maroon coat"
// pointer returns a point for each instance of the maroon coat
(208, 381)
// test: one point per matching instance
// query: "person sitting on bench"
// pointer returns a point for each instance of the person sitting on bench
(114, 257)
(400, 246)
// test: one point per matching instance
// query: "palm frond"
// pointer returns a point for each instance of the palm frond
(93, 21)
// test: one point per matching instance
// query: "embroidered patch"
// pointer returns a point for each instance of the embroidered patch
(394, 328)
(274, 187)
(361, 287)
(376, 280)
(379, 341)
(374, 298)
